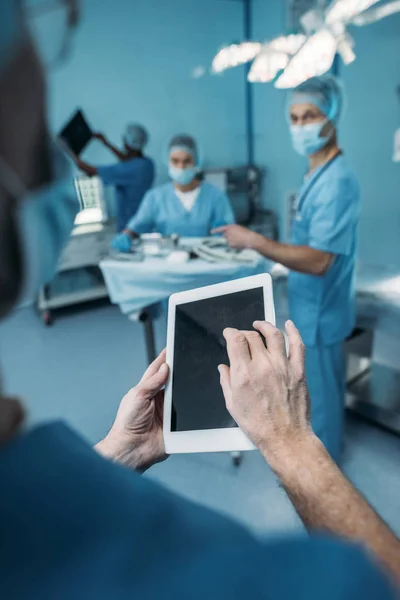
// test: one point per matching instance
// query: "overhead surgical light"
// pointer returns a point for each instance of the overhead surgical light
(302, 56)
(314, 58)
(267, 65)
(344, 11)
(234, 55)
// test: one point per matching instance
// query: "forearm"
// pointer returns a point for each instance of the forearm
(116, 151)
(297, 258)
(326, 500)
(89, 170)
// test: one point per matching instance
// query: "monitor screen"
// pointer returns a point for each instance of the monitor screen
(199, 347)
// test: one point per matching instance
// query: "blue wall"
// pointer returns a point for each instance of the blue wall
(367, 130)
(133, 61)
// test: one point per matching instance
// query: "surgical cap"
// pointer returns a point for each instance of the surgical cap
(10, 30)
(187, 144)
(325, 92)
(135, 137)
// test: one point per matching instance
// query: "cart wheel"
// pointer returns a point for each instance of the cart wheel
(236, 459)
(47, 318)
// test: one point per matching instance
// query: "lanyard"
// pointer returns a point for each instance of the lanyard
(313, 181)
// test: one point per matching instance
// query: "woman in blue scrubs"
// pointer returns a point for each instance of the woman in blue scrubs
(321, 255)
(185, 206)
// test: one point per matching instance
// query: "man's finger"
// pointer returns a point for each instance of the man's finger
(155, 365)
(221, 229)
(225, 381)
(255, 343)
(154, 384)
(273, 337)
(297, 351)
(237, 346)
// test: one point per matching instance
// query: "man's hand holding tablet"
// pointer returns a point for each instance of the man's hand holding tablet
(265, 390)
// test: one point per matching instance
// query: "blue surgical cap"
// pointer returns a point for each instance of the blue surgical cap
(10, 30)
(135, 136)
(325, 92)
(187, 144)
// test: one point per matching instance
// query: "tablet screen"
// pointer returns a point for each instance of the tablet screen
(199, 347)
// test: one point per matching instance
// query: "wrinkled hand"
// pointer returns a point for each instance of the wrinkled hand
(136, 437)
(237, 236)
(100, 136)
(266, 391)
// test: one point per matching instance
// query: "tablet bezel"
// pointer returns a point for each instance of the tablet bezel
(208, 440)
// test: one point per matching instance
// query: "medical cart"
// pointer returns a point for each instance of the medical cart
(89, 242)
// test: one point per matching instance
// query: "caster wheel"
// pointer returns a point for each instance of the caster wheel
(236, 459)
(47, 318)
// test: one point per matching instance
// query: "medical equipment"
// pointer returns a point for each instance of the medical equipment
(217, 250)
(195, 415)
(89, 242)
(242, 185)
(91, 196)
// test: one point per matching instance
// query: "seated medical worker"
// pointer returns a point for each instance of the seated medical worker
(186, 206)
(132, 176)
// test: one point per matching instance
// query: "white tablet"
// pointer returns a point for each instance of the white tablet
(195, 415)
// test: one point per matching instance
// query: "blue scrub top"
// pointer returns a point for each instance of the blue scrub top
(161, 211)
(323, 308)
(132, 179)
(76, 526)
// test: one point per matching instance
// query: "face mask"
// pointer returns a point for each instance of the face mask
(182, 176)
(45, 221)
(306, 139)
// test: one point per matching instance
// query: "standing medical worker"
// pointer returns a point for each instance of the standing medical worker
(321, 255)
(186, 206)
(132, 177)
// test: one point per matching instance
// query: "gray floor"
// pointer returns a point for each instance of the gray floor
(79, 369)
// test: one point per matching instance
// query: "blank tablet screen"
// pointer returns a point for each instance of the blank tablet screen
(199, 347)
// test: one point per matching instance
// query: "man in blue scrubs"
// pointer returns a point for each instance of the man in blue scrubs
(76, 526)
(187, 206)
(132, 176)
(321, 255)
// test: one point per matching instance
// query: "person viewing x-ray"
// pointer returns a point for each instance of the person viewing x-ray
(132, 176)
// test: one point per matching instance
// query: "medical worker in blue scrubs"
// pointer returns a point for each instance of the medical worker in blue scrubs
(186, 206)
(321, 255)
(81, 523)
(132, 176)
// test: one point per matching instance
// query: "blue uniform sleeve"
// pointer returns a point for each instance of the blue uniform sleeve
(334, 216)
(125, 172)
(143, 220)
(223, 213)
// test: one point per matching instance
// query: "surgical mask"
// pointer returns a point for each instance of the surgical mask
(45, 220)
(307, 139)
(182, 176)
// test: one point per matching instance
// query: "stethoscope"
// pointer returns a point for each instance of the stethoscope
(313, 180)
